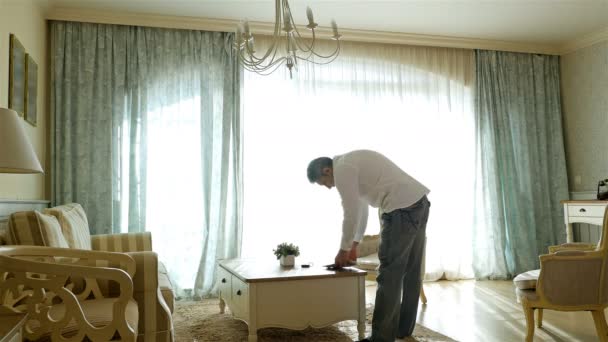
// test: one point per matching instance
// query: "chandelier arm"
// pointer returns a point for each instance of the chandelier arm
(254, 59)
(324, 59)
(275, 37)
(262, 67)
(332, 55)
(261, 62)
(267, 71)
(298, 38)
(307, 48)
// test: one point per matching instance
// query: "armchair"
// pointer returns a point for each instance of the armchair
(58, 288)
(572, 277)
(67, 226)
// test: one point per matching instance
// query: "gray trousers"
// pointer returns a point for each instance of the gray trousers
(402, 241)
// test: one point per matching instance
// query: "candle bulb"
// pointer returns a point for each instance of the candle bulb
(247, 33)
(311, 20)
(334, 27)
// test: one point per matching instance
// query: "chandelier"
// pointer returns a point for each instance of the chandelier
(288, 46)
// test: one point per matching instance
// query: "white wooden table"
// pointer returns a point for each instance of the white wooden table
(583, 211)
(264, 294)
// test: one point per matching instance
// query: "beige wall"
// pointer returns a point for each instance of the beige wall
(585, 106)
(25, 18)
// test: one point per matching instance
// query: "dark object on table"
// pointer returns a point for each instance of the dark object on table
(305, 265)
(334, 267)
(602, 190)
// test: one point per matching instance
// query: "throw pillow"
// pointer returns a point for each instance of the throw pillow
(74, 224)
(24, 229)
(51, 231)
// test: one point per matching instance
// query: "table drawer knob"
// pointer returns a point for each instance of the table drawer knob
(582, 210)
(238, 293)
(224, 280)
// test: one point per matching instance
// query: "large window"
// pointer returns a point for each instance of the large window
(412, 104)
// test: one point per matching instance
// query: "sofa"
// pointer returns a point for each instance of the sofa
(66, 226)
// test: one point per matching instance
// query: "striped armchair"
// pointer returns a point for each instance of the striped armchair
(67, 226)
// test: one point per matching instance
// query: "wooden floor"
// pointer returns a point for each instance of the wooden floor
(487, 311)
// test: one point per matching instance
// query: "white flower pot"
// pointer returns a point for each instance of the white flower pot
(288, 260)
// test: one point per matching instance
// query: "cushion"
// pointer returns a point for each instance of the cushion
(97, 311)
(51, 231)
(369, 245)
(527, 280)
(74, 224)
(368, 263)
(24, 229)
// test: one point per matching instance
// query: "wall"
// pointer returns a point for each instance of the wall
(25, 18)
(585, 107)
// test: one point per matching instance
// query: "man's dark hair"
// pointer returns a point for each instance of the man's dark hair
(315, 168)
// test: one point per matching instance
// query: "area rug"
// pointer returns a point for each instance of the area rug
(201, 321)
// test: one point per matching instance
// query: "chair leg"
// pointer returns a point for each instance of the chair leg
(422, 271)
(600, 325)
(422, 295)
(529, 312)
(539, 318)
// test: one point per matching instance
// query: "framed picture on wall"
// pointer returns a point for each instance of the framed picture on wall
(31, 89)
(16, 76)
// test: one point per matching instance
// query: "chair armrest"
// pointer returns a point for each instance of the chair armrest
(72, 256)
(570, 278)
(128, 242)
(576, 246)
(150, 302)
(41, 284)
(146, 276)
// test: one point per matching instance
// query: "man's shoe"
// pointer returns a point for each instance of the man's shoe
(367, 339)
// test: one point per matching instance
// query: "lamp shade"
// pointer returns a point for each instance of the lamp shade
(16, 152)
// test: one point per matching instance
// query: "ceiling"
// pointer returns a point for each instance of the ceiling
(525, 21)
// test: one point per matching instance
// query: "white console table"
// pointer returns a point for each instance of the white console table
(584, 211)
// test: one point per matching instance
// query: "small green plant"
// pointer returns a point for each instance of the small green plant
(286, 249)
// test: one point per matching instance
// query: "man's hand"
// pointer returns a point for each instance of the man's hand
(353, 252)
(342, 259)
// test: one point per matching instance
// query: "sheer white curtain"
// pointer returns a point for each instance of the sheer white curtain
(413, 104)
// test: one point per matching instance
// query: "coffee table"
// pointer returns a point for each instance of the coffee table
(263, 294)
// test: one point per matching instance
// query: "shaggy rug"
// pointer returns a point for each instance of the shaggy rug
(201, 321)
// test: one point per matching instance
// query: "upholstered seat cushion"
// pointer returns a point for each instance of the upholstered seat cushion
(97, 311)
(527, 280)
(368, 263)
(74, 224)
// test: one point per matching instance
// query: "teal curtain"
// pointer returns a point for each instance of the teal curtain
(146, 135)
(521, 168)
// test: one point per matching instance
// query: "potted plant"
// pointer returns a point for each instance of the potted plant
(287, 253)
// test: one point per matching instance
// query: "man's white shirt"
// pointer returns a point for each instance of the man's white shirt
(366, 178)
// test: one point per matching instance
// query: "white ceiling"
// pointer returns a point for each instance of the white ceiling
(529, 21)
